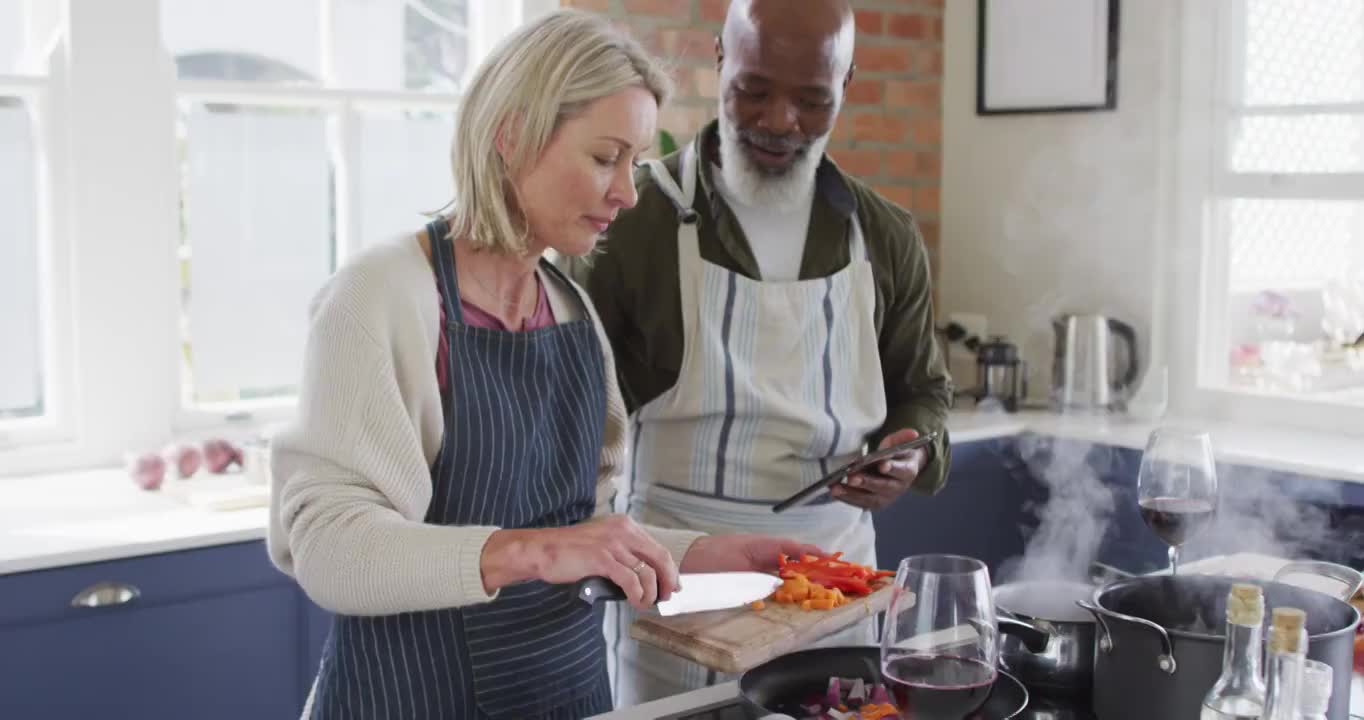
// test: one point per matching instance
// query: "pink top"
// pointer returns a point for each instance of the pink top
(475, 316)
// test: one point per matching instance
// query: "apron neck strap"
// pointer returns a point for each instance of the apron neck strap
(682, 197)
(857, 244)
(690, 163)
(443, 257)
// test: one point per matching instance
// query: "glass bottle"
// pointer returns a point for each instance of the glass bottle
(1239, 694)
(1315, 699)
(1287, 652)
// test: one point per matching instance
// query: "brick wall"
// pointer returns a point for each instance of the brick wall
(890, 130)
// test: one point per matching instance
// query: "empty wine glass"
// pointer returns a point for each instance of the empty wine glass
(939, 647)
(1177, 486)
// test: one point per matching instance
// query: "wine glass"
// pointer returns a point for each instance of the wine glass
(939, 647)
(1177, 486)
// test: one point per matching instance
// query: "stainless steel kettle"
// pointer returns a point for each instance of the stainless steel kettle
(1088, 373)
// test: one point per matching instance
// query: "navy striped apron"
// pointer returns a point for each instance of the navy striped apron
(524, 415)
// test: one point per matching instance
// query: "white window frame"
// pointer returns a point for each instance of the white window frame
(110, 229)
(1194, 256)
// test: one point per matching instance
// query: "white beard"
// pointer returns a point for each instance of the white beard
(757, 187)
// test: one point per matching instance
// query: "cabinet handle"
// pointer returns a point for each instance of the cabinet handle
(106, 594)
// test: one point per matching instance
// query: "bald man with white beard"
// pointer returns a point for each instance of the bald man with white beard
(771, 318)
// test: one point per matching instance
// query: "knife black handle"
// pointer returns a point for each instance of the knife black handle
(594, 588)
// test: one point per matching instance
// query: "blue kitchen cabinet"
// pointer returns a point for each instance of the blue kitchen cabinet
(1090, 490)
(213, 633)
(980, 512)
(999, 492)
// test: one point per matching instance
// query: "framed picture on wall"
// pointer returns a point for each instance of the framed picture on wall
(1041, 56)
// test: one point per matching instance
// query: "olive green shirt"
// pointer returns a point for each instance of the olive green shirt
(633, 281)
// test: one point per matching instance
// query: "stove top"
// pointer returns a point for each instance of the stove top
(1046, 708)
(1039, 708)
(724, 710)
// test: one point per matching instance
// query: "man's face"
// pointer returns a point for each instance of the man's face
(779, 95)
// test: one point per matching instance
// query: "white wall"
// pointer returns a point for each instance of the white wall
(1055, 213)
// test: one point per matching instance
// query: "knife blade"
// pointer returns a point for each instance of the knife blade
(700, 591)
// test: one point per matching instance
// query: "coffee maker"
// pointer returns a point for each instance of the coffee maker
(1001, 375)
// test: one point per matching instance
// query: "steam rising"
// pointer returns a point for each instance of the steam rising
(1074, 517)
(1258, 512)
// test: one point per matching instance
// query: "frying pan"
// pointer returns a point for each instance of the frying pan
(783, 682)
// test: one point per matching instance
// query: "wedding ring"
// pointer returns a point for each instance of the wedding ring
(640, 566)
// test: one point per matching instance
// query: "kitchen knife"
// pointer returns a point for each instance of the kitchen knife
(700, 591)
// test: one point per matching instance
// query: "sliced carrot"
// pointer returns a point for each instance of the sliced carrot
(877, 712)
(825, 583)
(758, 604)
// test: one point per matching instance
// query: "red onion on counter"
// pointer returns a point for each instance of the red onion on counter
(185, 459)
(147, 470)
(219, 455)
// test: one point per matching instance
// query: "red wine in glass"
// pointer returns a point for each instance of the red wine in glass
(1177, 486)
(938, 687)
(1175, 520)
(939, 642)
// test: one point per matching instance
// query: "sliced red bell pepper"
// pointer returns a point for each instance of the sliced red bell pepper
(833, 572)
(846, 584)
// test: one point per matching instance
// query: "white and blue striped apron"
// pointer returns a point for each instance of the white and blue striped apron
(780, 382)
(524, 414)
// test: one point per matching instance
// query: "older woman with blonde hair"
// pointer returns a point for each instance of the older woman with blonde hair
(460, 430)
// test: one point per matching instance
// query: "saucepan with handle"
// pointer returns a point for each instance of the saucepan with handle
(1161, 638)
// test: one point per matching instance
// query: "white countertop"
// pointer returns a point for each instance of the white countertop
(58, 520)
(1327, 455)
(65, 519)
(694, 700)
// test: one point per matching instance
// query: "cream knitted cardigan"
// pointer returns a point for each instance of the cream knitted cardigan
(351, 478)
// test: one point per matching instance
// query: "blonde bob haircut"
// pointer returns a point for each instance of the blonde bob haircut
(542, 75)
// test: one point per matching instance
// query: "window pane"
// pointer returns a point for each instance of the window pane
(404, 171)
(1296, 309)
(12, 17)
(26, 32)
(263, 41)
(1306, 144)
(258, 218)
(1303, 51)
(21, 378)
(401, 44)
(1292, 244)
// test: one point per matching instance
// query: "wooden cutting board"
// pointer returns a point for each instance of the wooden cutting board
(737, 639)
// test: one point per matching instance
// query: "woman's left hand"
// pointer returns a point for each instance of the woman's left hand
(742, 552)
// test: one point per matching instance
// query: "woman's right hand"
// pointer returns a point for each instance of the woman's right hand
(611, 546)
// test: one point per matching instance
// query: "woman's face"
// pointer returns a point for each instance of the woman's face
(585, 174)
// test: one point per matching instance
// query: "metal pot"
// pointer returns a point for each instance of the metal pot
(1065, 663)
(1161, 639)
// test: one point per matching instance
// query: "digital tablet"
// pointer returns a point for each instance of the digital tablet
(828, 481)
